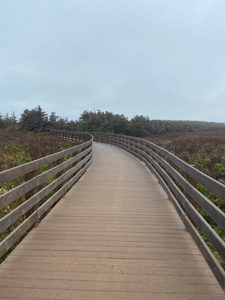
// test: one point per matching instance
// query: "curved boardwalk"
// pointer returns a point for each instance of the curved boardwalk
(115, 235)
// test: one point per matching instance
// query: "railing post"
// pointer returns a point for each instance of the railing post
(129, 142)
(110, 139)
(119, 142)
(74, 164)
(142, 144)
(83, 149)
(58, 162)
(126, 141)
(171, 176)
(32, 192)
(135, 146)
(194, 183)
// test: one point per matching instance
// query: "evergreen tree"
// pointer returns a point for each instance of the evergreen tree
(34, 120)
(2, 122)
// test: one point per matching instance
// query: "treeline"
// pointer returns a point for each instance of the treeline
(36, 120)
(98, 121)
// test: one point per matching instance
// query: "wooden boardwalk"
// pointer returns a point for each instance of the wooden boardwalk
(115, 235)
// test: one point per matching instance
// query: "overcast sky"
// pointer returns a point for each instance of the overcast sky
(161, 58)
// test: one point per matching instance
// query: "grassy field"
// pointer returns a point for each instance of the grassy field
(205, 150)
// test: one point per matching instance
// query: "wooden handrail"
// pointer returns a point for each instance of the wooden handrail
(168, 168)
(63, 176)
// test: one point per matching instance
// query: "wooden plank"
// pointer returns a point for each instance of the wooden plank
(32, 192)
(209, 257)
(68, 294)
(21, 229)
(214, 212)
(216, 241)
(211, 184)
(115, 235)
(20, 190)
(211, 235)
(19, 211)
(48, 269)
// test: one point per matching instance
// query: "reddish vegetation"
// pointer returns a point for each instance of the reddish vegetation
(204, 148)
(19, 147)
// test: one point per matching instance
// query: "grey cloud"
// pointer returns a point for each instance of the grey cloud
(159, 58)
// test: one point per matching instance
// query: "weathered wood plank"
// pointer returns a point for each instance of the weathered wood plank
(142, 152)
(210, 234)
(72, 294)
(21, 229)
(214, 212)
(109, 246)
(115, 235)
(19, 211)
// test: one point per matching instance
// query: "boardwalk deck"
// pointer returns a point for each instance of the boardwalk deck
(115, 235)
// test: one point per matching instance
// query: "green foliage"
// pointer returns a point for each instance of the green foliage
(33, 120)
(97, 121)
(220, 170)
(139, 126)
(103, 122)
(7, 122)
(220, 260)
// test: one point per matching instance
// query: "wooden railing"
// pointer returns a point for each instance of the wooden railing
(39, 191)
(179, 180)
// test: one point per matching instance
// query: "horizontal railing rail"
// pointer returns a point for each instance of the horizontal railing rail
(179, 180)
(40, 191)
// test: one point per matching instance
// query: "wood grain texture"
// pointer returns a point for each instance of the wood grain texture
(136, 148)
(215, 213)
(208, 231)
(115, 235)
(15, 214)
